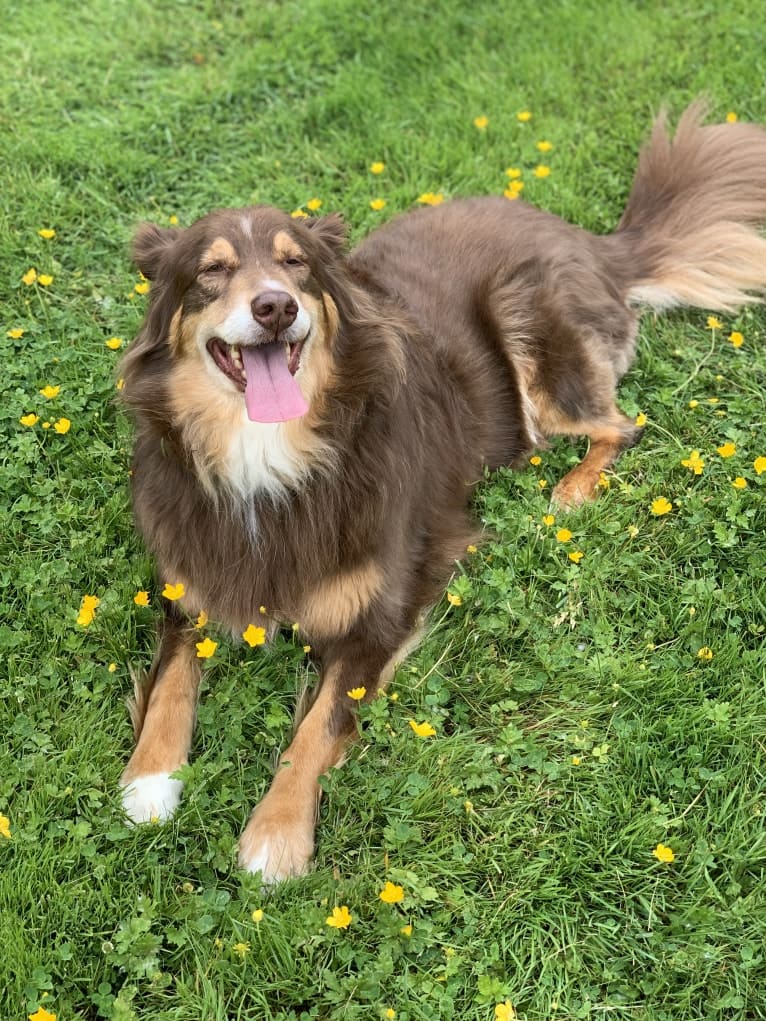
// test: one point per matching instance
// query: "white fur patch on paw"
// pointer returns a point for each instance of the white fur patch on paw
(152, 798)
(277, 853)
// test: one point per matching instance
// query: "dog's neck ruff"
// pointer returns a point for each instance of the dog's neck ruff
(262, 460)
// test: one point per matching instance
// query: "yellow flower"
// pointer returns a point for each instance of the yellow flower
(760, 465)
(731, 117)
(87, 610)
(739, 482)
(712, 400)
(45, 280)
(544, 146)
(429, 198)
(241, 949)
(513, 172)
(511, 194)
(254, 635)
(357, 694)
(736, 339)
(262, 610)
(541, 483)
(661, 506)
(406, 930)
(30, 419)
(114, 343)
(141, 598)
(422, 729)
(46, 233)
(454, 600)
(603, 480)
(112, 668)
(5, 827)
(524, 116)
(392, 894)
(504, 1011)
(340, 918)
(62, 426)
(41, 1014)
(470, 548)
(576, 556)
(307, 649)
(257, 915)
(727, 450)
(663, 854)
(298, 214)
(173, 592)
(694, 462)
(29, 277)
(173, 220)
(206, 648)
(378, 204)
(632, 531)
(390, 1013)
(46, 425)
(641, 419)
(515, 187)
(705, 653)
(713, 323)
(120, 384)
(16, 334)
(314, 204)
(563, 535)
(480, 122)
(468, 806)
(536, 459)
(142, 287)
(541, 171)
(693, 404)
(377, 167)
(201, 620)
(548, 520)
(49, 392)
(576, 760)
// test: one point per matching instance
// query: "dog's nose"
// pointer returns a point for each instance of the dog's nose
(274, 310)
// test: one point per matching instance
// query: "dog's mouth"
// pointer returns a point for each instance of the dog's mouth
(265, 373)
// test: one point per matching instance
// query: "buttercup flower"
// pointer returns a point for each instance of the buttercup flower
(513, 172)
(641, 419)
(406, 931)
(736, 339)
(173, 220)
(541, 171)
(254, 635)
(378, 204)
(760, 465)
(548, 520)
(112, 668)
(470, 548)
(241, 949)
(114, 343)
(46, 233)
(632, 531)
(544, 146)
(481, 122)
(429, 198)
(206, 648)
(201, 620)
(5, 827)
(29, 420)
(694, 462)
(45, 280)
(62, 426)
(16, 334)
(713, 323)
(29, 277)
(392, 894)
(504, 1011)
(340, 918)
(41, 1014)
(49, 392)
(536, 459)
(524, 116)
(142, 287)
(422, 729)
(661, 506)
(453, 599)
(705, 653)
(731, 117)
(727, 450)
(576, 556)
(664, 854)
(174, 592)
(357, 694)
(120, 384)
(298, 214)
(563, 535)
(739, 482)
(314, 204)
(141, 598)
(87, 612)
(377, 167)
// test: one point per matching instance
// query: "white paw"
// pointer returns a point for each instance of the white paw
(277, 850)
(152, 798)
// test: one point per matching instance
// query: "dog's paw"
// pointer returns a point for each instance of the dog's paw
(276, 845)
(152, 798)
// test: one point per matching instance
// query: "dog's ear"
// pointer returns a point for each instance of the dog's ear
(330, 229)
(150, 244)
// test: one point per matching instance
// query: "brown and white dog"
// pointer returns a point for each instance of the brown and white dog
(310, 424)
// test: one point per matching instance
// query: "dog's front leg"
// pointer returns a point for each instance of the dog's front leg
(278, 841)
(163, 714)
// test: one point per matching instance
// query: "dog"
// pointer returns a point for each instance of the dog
(310, 424)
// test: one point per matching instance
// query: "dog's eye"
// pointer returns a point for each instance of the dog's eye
(291, 261)
(214, 268)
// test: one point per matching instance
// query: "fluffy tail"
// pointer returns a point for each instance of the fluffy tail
(690, 228)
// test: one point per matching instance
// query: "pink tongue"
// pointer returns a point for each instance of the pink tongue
(271, 392)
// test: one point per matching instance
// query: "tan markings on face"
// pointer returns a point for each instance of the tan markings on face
(163, 716)
(176, 333)
(335, 604)
(221, 251)
(285, 247)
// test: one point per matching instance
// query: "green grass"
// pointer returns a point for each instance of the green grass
(572, 711)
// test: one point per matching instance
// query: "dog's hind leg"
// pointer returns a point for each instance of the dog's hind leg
(608, 439)
(163, 714)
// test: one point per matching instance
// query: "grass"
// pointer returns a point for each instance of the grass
(577, 726)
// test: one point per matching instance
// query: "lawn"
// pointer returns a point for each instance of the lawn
(590, 713)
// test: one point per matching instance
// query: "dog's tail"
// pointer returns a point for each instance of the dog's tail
(689, 234)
